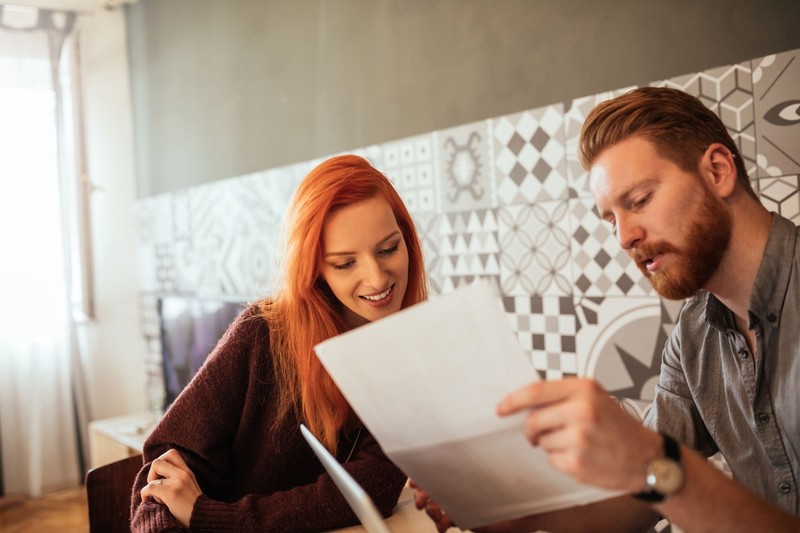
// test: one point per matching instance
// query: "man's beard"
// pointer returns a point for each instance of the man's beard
(707, 241)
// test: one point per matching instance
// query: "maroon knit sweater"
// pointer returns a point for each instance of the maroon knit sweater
(254, 478)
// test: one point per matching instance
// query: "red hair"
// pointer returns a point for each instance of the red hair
(304, 311)
(678, 124)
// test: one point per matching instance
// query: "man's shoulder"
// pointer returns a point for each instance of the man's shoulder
(695, 306)
(698, 313)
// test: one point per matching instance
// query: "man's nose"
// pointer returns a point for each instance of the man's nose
(629, 232)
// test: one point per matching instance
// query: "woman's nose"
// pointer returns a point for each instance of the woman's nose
(376, 275)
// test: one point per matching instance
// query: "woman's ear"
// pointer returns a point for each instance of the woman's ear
(718, 168)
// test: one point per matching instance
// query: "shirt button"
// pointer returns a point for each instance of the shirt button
(763, 418)
(743, 354)
(784, 487)
(772, 318)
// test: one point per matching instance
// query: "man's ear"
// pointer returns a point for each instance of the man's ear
(718, 168)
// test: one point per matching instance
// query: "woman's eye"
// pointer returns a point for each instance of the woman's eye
(390, 250)
(343, 266)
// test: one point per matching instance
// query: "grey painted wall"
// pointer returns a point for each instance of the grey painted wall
(226, 88)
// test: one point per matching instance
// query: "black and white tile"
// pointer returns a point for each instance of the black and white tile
(728, 91)
(575, 113)
(777, 113)
(546, 327)
(468, 248)
(530, 157)
(782, 195)
(464, 168)
(534, 245)
(599, 265)
(409, 164)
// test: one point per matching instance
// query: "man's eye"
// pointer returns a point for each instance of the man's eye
(639, 202)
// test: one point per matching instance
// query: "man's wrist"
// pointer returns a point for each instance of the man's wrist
(664, 474)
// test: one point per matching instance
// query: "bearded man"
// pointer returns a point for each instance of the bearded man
(667, 176)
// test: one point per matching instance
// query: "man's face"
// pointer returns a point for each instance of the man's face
(666, 219)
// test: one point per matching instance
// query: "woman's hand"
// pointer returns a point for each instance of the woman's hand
(436, 513)
(171, 482)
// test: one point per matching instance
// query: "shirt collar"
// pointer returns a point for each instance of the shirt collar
(769, 288)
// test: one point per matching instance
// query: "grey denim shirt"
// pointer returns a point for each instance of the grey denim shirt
(713, 395)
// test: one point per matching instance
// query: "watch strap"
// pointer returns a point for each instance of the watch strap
(672, 450)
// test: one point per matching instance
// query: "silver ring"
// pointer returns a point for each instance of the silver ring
(158, 481)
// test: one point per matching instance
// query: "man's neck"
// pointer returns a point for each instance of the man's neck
(733, 281)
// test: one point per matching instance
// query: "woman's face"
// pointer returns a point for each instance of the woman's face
(365, 260)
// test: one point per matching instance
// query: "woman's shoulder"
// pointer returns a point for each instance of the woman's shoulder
(250, 319)
(246, 337)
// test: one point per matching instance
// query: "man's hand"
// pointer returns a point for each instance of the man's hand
(171, 482)
(585, 432)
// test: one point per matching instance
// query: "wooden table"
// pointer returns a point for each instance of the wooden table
(405, 519)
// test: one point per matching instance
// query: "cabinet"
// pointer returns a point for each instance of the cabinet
(112, 439)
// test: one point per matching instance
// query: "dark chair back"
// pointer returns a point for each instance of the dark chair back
(108, 491)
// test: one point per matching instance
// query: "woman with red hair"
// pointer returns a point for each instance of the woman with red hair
(228, 454)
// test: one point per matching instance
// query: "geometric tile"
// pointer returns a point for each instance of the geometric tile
(782, 195)
(234, 246)
(599, 265)
(529, 156)
(535, 249)
(427, 225)
(468, 248)
(154, 227)
(546, 328)
(623, 349)
(149, 327)
(463, 164)
(154, 219)
(574, 116)
(165, 267)
(408, 163)
(728, 92)
(373, 154)
(777, 106)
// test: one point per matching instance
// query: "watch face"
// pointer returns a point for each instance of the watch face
(665, 476)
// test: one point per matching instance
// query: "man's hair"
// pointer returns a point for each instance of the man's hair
(678, 124)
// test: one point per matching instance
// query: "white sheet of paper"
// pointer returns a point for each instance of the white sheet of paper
(426, 382)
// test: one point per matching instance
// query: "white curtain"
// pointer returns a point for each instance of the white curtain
(40, 439)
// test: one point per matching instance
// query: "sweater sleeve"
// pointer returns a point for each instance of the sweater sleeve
(200, 424)
(223, 404)
(317, 506)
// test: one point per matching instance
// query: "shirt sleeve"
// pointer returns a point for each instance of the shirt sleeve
(674, 411)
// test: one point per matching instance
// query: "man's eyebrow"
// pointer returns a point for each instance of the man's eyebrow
(390, 236)
(624, 195)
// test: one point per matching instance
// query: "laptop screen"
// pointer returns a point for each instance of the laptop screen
(356, 496)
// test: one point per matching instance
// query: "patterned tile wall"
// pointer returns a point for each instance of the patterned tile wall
(504, 199)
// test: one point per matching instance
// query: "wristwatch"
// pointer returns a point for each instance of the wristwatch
(664, 473)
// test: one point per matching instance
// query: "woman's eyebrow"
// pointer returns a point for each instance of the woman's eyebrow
(390, 236)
